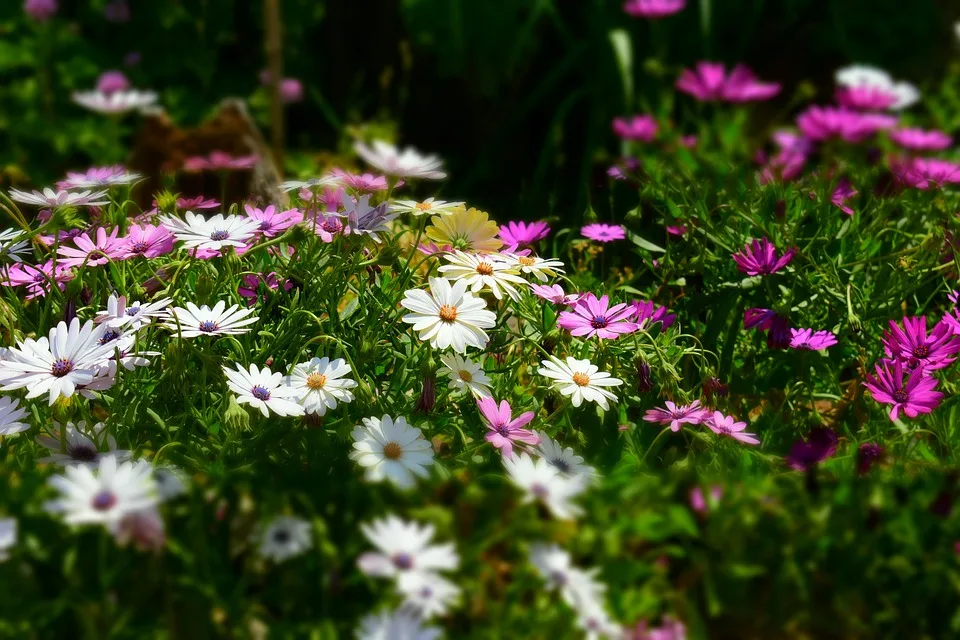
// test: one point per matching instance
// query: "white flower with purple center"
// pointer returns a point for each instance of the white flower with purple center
(404, 548)
(75, 444)
(542, 482)
(264, 390)
(285, 537)
(103, 494)
(50, 198)
(194, 321)
(214, 233)
(134, 316)
(11, 246)
(11, 413)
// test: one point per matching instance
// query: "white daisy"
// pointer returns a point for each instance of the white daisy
(285, 537)
(8, 536)
(71, 356)
(392, 450)
(10, 415)
(426, 207)
(576, 586)
(105, 496)
(867, 77)
(481, 271)
(449, 316)
(262, 389)
(203, 321)
(136, 315)
(311, 184)
(51, 198)
(81, 446)
(320, 384)
(541, 268)
(562, 458)
(428, 593)
(544, 483)
(465, 375)
(404, 548)
(580, 380)
(170, 482)
(116, 101)
(405, 163)
(214, 233)
(11, 246)
(395, 625)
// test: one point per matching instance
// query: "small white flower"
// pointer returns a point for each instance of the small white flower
(138, 314)
(82, 446)
(428, 593)
(264, 390)
(214, 233)
(562, 458)
(404, 548)
(320, 384)
(310, 184)
(395, 625)
(542, 482)
(285, 537)
(392, 450)
(867, 77)
(11, 246)
(106, 496)
(426, 207)
(51, 198)
(170, 482)
(465, 375)
(577, 587)
(116, 101)
(10, 415)
(596, 623)
(203, 321)
(449, 316)
(541, 268)
(580, 380)
(8, 536)
(406, 163)
(481, 271)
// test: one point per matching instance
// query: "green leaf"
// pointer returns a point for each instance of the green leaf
(644, 243)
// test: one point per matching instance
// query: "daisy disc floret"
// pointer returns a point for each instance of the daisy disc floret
(580, 380)
(449, 316)
(391, 449)
(264, 390)
(322, 383)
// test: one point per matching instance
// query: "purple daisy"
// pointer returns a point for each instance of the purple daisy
(812, 340)
(273, 222)
(594, 317)
(759, 258)
(914, 396)
(709, 82)
(675, 415)
(868, 454)
(920, 139)
(653, 9)
(523, 234)
(639, 128)
(914, 348)
(820, 444)
(603, 232)
(728, 426)
(146, 240)
(503, 428)
(646, 312)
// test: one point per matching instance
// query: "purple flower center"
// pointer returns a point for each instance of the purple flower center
(104, 500)
(260, 393)
(403, 561)
(502, 429)
(61, 367)
(558, 578)
(332, 225)
(900, 396)
(39, 277)
(539, 491)
(139, 247)
(265, 225)
(109, 336)
(219, 235)
(598, 322)
(208, 326)
(96, 255)
(281, 536)
(561, 464)
(132, 311)
(921, 351)
(82, 452)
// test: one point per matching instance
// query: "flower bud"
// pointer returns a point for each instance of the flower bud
(644, 381)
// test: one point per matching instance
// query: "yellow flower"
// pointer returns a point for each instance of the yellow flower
(465, 229)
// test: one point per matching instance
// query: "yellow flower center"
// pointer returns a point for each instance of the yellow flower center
(581, 379)
(485, 269)
(392, 451)
(423, 206)
(448, 313)
(316, 380)
(527, 261)
(466, 376)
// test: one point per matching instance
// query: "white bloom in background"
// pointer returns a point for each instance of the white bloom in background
(51, 198)
(285, 537)
(170, 482)
(203, 321)
(8, 536)
(428, 593)
(11, 246)
(105, 496)
(542, 482)
(856, 76)
(449, 316)
(465, 375)
(264, 390)
(403, 549)
(405, 163)
(11, 413)
(578, 587)
(395, 625)
(82, 446)
(311, 184)
(116, 101)
(481, 271)
(98, 177)
(136, 315)
(429, 206)
(144, 528)
(580, 380)
(596, 623)
(214, 233)
(321, 383)
(392, 450)
(541, 268)
(563, 459)
(71, 356)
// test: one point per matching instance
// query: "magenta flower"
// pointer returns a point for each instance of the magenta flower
(676, 229)
(925, 173)
(93, 253)
(952, 319)
(759, 258)
(273, 222)
(624, 165)
(920, 139)
(639, 128)
(199, 202)
(812, 340)
(645, 312)
(503, 428)
(699, 504)
(97, 177)
(594, 317)
(865, 98)
(676, 416)
(36, 278)
(40, 10)
(219, 161)
(431, 248)
(365, 182)
(252, 282)
(914, 396)
(821, 443)
(912, 347)
(709, 82)
(603, 232)
(788, 163)
(326, 225)
(147, 240)
(291, 90)
(823, 123)
(868, 454)
(653, 9)
(776, 326)
(728, 426)
(554, 293)
(112, 82)
(841, 194)
(117, 11)
(523, 234)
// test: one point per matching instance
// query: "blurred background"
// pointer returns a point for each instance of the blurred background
(516, 95)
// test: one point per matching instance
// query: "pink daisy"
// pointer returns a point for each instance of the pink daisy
(253, 281)
(36, 277)
(147, 240)
(594, 317)
(603, 232)
(639, 128)
(503, 428)
(925, 173)
(823, 123)
(653, 9)
(273, 222)
(709, 82)
(646, 312)
(759, 258)
(788, 163)
(197, 203)
(554, 293)
(94, 253)
(728, 426)
(361, 182)
(219, 161)
(920, 139)
(676, 416)
(523, 234)
(812, 340)
(914, 396)
(912, 347)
